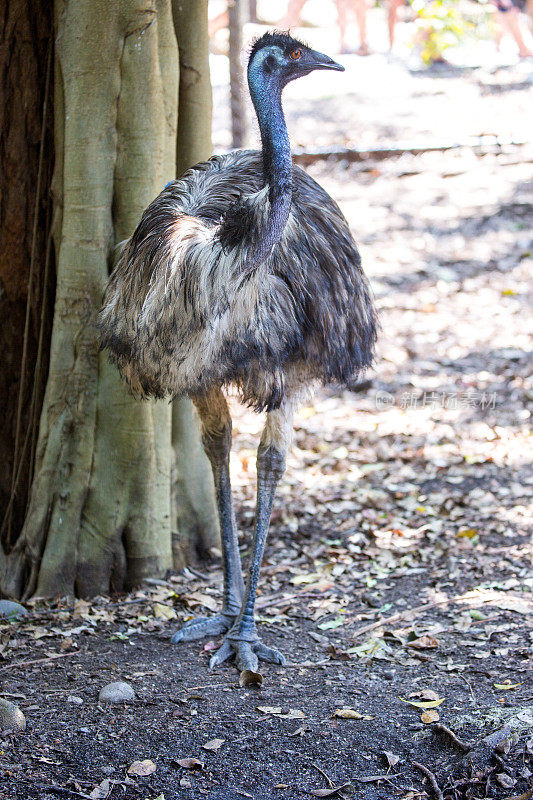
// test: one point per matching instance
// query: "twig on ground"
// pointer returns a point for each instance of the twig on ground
(63, 790)
(279, 601)
(397, 617)
(330, 782)
(472, 695)
(438, 727)
(16, 664)
(431, 778)
(401, 615)
(198, 574)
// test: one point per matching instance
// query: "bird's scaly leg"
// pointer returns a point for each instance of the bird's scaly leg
(242, 639)
(216, 438)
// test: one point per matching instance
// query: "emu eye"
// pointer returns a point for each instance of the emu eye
(296, 54)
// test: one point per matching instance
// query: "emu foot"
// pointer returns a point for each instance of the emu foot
(199, 627)
(247, 651)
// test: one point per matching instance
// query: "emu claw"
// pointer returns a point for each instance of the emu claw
(247, 654)
(199, 627)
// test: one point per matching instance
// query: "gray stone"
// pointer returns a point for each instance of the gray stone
(11, 717)
(73, 698)
(12, 610)
(116, 692)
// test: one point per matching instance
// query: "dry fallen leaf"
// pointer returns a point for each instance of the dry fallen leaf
(293, 713)
(214, 744)
(467, 533)
(190, 763)
(350, 713)
(102, 791)
(164, 612)
(249, 678)
(328, 792)
(431, 715)
(506, 685)
(202, 599)
(425, 694)
(300, 731)
(309, 578)
(142, 768)
(424, 703)
(424, 643)
(391, 758)
(332, 624)
(505, 780)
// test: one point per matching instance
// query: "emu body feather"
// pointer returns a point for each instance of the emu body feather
(182, 313)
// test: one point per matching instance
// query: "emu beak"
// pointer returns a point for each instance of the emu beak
(322, 61)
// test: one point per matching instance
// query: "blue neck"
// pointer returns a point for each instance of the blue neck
(277, 163)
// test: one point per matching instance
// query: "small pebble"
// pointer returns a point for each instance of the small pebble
(388, 674)
(72, 698)
(11, 717)
(12, 610)
(116, 692)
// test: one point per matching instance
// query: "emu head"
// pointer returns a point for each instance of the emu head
(277, 58)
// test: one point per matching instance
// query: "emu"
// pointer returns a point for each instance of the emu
(243, 272)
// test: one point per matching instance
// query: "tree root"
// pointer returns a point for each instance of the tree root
(431, 778)
(479, 756)
(525, 796)
(475, 762)
(438, 727)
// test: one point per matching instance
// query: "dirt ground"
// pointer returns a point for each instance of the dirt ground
(398, 568)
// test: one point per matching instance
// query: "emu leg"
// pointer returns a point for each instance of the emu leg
(216, 438)
(242, 640)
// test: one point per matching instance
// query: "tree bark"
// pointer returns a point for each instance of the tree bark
(194, 491)
(100, 514)
(238, 107)
(27, 272)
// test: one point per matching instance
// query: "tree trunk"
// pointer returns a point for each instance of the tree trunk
(238, 107)
(27, 272)
(197, 520)
(100, 515)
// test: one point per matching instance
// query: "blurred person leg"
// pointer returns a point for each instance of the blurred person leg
(294, 12)
(217, 23)
(508, 17)
(392, 18)
(359, 9)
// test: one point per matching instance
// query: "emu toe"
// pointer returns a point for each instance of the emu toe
(199, 627)
(247, 654)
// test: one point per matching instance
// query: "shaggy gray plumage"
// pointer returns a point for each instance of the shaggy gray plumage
(181, 314)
